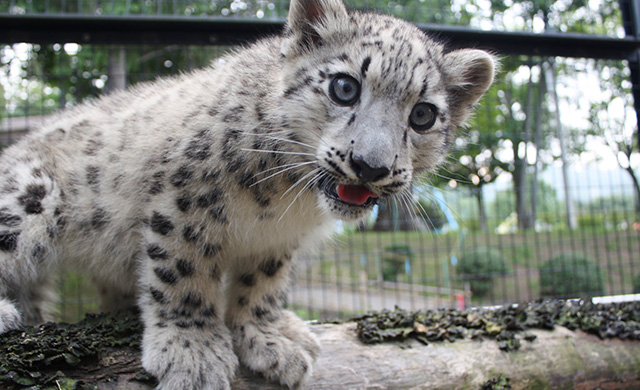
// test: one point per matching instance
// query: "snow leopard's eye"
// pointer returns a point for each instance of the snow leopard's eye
(344, 90)
(423, 116)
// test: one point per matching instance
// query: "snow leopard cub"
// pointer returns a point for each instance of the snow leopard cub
(191, 195)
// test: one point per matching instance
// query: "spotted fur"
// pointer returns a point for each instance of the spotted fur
(191, 195)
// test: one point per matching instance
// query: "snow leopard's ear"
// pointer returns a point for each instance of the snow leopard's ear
(468, 73)
(310, 21)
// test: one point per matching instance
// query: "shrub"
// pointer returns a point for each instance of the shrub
(479, 266)
(394, 259)
(571, 275)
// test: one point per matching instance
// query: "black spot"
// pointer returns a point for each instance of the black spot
(160, 224)
(8, 219)
(155, 252)
(260, 312)
(185, 267)
(351, 120)
(9, 241)
(192, 299)
(365, 66)
(158, 296)
(93, 146)
(235, 165)
(186, 344)
(189, 233)
(182, 176)
(199, 147)
(209, 198)
(184, 203)
(261, 199)
(166, 275)
(210, 250)
(99, 218)
(214, 272)
(218, 214)
(209, 311)
(31, 199)
(248, 279)
(184, 324)
(242, 301)
(37, 173)
(210, 176)
(93, 177)
(247, 180)
(271, 300)
(270, 267)
(37, 253)
(156, 183)
(230, 143)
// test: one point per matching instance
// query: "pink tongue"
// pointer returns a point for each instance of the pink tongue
(355, 194)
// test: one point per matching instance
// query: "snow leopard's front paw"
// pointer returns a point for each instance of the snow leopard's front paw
(282, 350)
(189, 360)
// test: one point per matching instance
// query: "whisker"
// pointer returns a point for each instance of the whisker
(278, 152)
(313, 172)
(291, 141)
(304, 188)
(291, 166)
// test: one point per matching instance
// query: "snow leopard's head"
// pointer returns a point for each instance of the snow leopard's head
(378, 99)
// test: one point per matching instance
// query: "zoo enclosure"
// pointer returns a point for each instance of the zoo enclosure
(470, 241)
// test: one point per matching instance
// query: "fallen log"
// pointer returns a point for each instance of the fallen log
(103, 353)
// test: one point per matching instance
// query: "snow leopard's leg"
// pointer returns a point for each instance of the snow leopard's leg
(185, 344)
(30, 220)
(267, 338)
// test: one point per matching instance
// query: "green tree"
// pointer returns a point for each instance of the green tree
(614, 120)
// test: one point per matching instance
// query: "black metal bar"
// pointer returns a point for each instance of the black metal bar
(125, 30)
(630, 10)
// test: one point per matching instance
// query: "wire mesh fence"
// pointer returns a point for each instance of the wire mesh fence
(521, 210)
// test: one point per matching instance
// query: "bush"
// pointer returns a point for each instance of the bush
(571, 275)
(479, 266)
(394, 259)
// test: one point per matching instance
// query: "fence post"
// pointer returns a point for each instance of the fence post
(630, 10)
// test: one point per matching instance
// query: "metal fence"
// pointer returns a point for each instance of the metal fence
(537, 199)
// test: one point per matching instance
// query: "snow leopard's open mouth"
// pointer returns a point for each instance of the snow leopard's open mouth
(352, 195)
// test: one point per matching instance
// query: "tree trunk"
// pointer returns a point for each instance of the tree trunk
(117, 69)
(636, 187)
(555, 359)
(572, 221)
(479, 194)
(538, 141)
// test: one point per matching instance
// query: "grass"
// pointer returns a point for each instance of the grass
(355, 258)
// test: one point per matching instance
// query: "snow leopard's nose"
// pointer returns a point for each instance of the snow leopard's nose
(366, 172)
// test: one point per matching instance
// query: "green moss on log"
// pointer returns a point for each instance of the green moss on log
(508, 325)
(36, 357)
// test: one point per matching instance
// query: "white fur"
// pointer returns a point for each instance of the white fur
(193, 194)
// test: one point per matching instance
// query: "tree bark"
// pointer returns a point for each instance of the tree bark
(636, 187)
(479, 194)
(555, 359)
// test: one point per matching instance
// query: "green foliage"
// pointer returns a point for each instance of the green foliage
(548, 204)
(394, 259)
(431, 214)
(571, 275)
(479, 266)
(590, 221)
